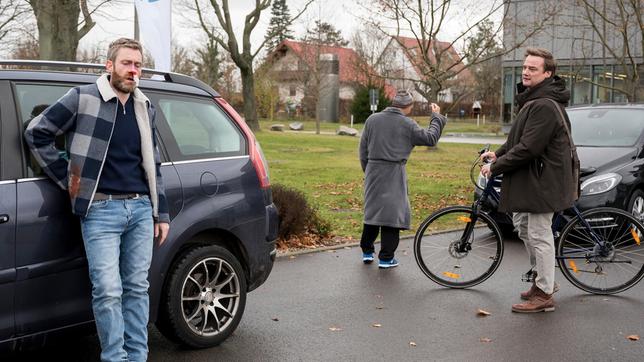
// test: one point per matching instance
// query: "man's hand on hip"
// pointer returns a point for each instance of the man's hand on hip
(161, 231)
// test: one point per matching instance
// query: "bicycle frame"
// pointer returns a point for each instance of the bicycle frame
(488, 192)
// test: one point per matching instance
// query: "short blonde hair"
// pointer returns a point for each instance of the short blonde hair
(119, 43)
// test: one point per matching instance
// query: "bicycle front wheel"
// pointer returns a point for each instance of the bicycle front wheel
(611, 269)
(439, 251)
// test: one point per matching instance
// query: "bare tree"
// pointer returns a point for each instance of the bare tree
(618, 26)
(437, 63)
(225, 36)
(12, 13)
(59, 28)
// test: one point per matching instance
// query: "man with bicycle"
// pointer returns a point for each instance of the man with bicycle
(538, 171)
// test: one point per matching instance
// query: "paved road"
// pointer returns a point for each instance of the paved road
(472, 139)
(291, 318)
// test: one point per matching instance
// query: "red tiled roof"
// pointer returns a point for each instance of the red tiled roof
(348, 58)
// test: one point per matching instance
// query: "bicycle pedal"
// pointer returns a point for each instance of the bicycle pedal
(529, 277)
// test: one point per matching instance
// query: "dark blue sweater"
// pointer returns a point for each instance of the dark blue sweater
(123, 169)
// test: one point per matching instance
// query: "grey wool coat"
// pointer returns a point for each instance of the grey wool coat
(387, 140)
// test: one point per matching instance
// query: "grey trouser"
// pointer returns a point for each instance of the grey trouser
(536, 232)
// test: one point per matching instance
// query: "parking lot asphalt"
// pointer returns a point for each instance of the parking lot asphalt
(329, 306)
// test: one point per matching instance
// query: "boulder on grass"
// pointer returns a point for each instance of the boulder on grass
(346, 131)
(296, 126)
(277, 127)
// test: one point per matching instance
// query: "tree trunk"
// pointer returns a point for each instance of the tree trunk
(57, 28)
(248, 92)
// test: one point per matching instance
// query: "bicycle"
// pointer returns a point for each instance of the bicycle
(598, 250)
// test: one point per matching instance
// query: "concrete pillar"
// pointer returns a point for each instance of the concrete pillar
(329, 89)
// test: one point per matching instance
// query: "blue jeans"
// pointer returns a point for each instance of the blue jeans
(118, 236)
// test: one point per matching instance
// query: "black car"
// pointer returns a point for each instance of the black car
(610, 145)
(223, 220)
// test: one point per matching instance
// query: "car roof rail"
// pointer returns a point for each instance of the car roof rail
(167, 76)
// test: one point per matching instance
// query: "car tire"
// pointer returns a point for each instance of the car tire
(204, 299)
(636, 204)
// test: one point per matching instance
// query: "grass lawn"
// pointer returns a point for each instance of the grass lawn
(454, 125)
(327, 170)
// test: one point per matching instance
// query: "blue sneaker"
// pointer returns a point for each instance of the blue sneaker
(386, 264)
(367, 258)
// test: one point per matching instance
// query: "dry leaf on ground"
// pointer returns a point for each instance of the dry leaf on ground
(412, 344)
(335, 329)
(485, 340)
(633, 337)
(376, 325)
(482, 313)
(275, 319)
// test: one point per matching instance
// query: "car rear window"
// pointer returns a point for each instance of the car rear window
(201, 129)
(606, 127)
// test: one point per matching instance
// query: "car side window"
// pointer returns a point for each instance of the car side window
(201, 129)
(32, 100)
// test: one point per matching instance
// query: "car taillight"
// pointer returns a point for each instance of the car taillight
(254, 149)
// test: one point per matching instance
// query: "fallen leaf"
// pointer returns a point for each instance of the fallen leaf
(380, 307)
(376, 325)
(412, 344)
(292, 257)
(330, 251)
(485, 340)
(482, 313)
(275, 319)
(634, 337)
(335, 329)
(347, 247)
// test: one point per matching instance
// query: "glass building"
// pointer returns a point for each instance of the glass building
(592, 73)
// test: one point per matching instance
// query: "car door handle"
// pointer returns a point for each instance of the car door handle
(4, 218)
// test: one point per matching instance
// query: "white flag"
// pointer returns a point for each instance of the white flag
(155, 23)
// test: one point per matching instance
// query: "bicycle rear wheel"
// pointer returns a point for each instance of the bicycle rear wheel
(612, 270)
(436, 247)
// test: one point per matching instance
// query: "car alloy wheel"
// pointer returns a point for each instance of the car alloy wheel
(637, 208)
(210, 296)
(204, 298)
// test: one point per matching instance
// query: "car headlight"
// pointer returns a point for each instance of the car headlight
(600, 184)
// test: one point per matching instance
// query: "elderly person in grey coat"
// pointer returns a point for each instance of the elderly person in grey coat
(387, 141)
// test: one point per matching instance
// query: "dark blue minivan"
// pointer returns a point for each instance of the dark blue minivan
(223, 221)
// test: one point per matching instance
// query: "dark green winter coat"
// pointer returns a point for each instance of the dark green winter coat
(536, 159)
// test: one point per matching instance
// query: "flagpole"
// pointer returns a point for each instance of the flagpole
(136, 23)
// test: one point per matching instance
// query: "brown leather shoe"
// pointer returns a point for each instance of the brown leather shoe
(540, 302)
(533, 289)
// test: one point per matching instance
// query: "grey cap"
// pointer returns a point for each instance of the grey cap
(402, 99)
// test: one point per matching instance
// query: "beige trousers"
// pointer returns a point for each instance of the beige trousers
(536, 232)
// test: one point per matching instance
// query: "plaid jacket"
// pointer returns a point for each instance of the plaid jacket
(86, 115)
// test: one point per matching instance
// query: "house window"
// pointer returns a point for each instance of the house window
(292, 91)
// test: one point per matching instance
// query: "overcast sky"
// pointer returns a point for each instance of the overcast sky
(117, 20)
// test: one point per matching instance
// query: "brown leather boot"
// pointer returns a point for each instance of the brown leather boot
(533, 289)
(540, 302)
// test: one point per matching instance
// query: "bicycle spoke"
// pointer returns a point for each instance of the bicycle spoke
(438, 253)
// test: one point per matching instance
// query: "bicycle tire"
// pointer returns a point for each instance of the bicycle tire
(583, 266)
(454, 271)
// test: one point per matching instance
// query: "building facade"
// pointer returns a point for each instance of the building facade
(600, 63)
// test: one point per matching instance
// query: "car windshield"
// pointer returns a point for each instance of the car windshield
(606, 127)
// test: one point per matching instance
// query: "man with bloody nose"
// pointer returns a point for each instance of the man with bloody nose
(111, 171)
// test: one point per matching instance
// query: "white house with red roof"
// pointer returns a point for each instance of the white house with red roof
(401, 63)
(294, 64)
